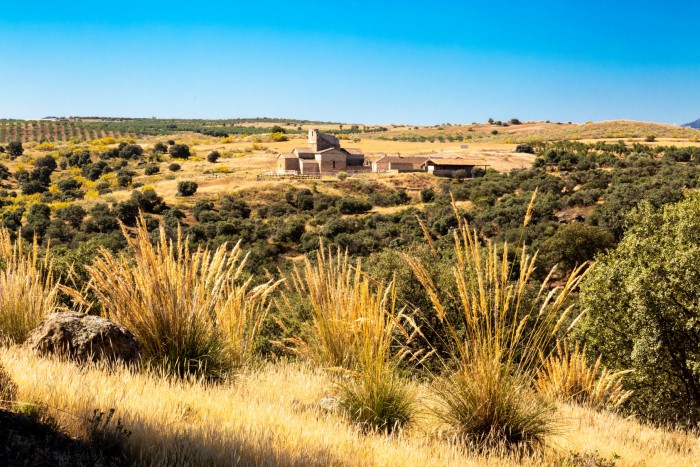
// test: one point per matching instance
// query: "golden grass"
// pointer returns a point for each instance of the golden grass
(351, 324)
(271, 417)
(27, 288)
(190, 310)
(498, 336)
(567, 376)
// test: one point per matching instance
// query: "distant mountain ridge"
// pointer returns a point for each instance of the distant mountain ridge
(695, 124)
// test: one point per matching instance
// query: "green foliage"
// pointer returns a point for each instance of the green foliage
(151, 169)
(186, 188)
(525, 148)
(213, 156)
(574, 244)
(179, 151)
(427, 195)
(642, 300)
(160, 148)
(14, 149)
(174, 167)
(350, 205)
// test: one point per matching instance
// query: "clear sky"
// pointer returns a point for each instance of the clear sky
(369, 62)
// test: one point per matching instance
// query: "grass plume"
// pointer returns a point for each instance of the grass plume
(567, 376)
(355, 329)
(28, 291)
(190, 310)
(486, 393)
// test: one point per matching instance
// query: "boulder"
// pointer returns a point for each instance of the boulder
(84, 338)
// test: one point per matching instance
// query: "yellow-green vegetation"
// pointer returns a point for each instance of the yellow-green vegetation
(192, 311)
(28, 291)
(568, 376)
(355, 329)
(486, 392)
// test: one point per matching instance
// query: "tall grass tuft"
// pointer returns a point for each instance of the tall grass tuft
(190, 310)
(485, 393)
(354, 328)
(28, 291)
(567, 376)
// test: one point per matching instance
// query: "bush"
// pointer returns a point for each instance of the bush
(525, 148)
(151, 169)
(186, 188)
(160, 148)
(174, 167)
(213, 156)
(180, 151)
(349, 205)
(427, 195)
(342, 176)
(194, 313)
(15, 149)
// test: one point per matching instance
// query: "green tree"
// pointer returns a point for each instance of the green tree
(574, 244)
(643, 310)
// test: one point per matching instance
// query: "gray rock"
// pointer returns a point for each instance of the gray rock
(84, 338)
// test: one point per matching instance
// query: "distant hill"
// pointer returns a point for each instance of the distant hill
(695, 124)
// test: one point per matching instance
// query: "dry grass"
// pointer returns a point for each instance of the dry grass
(497, 337)
(271, 417)
(567, 376)
(27, 288)
(350, 321)
(190, 310)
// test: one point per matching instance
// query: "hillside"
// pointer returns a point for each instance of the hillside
(273, 416)
(695, 124)
(90, 128)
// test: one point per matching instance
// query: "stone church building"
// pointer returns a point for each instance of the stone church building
(323, 155)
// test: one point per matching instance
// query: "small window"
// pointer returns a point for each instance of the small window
(334, 164)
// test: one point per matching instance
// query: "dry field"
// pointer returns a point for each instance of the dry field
(272, 416)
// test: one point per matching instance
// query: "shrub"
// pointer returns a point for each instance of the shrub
(350, 205)
(486, 393)
(180, 151)
(186, 188)
(174, 167)
(427, 195)
(342, 176)
(14, 149)
(27, 288)
(160, 148)
(213, 156)
(650, 138)
(525, 148)
(151, 169)
(193, 314)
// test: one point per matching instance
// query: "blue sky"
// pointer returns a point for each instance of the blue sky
(369, 62)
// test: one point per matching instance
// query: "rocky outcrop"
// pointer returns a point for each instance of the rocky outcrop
(84, 338)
